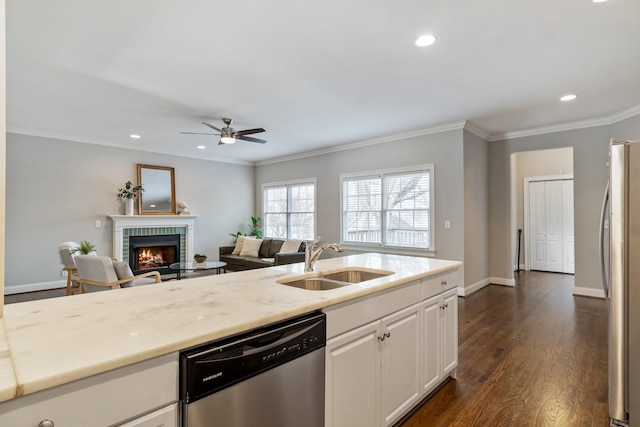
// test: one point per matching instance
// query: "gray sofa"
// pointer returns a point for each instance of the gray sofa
(268, 256)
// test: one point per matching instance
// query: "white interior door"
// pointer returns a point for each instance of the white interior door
(553, 219)
(551, 242)
(537, 225)
(568, 237)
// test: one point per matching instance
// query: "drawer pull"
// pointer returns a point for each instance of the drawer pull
(46, 423)
(443, 283)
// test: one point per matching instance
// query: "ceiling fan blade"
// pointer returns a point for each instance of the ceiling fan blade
(248, 138)
(212, 126)
(198, 133)
(248, 131)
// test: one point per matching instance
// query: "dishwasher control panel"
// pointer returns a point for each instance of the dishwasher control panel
(214, 366)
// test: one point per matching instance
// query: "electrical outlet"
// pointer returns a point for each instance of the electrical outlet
(63, 273)
(447, 224)
(98, 223)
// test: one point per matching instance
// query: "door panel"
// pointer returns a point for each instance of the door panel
(537, 225)
(568, 238)
(553, 221)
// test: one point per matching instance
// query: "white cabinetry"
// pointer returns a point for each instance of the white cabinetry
(386, 351)
(126, 395)
(439, 325)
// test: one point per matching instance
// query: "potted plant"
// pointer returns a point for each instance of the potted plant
(129, 193)
(200, 258)
(255, 229)
(85, 248)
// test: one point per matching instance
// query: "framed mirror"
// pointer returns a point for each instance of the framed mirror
(158, 197)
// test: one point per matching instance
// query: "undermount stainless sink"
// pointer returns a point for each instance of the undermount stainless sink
(315, 284)
(334, 279)
(356, 276)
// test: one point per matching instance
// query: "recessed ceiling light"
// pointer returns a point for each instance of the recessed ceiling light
(426, 40)
(201, 147)
(599, 1)
(569, 97)
(134, 136)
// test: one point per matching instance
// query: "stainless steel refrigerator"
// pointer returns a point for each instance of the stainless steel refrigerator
(621, 277)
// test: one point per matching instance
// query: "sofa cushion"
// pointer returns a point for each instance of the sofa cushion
(238, 248)
(233, 259)
(264, 248)
(276, 244)
(258, 262)
(251, 247)
(291, 245)
(123, 271)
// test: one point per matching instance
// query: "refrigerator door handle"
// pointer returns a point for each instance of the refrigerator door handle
(603, 219)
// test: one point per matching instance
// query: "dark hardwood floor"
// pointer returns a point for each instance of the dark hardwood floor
(533, 355)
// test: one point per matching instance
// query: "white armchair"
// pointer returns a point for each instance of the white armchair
(103, 271)
(67, 253)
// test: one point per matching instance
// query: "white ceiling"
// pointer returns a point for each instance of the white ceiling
(314, 74)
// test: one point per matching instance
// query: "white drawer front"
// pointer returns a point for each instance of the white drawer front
(435, 285)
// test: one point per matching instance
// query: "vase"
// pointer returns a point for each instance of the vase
(128, 206)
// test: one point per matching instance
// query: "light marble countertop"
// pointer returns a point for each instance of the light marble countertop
(59, 340)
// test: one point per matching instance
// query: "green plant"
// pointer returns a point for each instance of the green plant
(129, 191)
(84, 248)
(199, 256)
(255, 229)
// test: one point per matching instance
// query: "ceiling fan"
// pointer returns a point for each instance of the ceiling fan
(228, 135)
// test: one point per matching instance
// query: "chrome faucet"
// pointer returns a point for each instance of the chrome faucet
(311, 254)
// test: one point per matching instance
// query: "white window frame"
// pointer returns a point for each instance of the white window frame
(288, 184)
(381, 247)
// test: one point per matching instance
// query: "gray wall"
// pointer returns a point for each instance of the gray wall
(444, 150)
(56, 190)
(476, 211)
(590, 151)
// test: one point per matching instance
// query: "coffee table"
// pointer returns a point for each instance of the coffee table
(179, 267)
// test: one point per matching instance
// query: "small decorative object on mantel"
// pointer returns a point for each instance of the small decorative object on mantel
(183, 208)
(129, 193)
(200, 258)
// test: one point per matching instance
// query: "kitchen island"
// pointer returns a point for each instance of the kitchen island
(56, 341)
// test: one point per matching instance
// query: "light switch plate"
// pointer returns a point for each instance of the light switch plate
(447, 224)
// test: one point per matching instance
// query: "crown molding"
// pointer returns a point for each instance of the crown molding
(562, 127)
(366, 143)
(477, 130)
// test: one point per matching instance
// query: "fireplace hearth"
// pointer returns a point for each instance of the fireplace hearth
(154, 253)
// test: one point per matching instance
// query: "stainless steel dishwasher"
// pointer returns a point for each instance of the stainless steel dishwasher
(270, 376)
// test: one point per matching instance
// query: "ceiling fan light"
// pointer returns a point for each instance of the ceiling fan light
(227, 140)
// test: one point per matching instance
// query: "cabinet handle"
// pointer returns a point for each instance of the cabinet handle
(384, 336)
(444, 306)
(46, 423)
(443, 283)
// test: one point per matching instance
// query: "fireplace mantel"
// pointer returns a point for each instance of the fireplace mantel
(121, 222)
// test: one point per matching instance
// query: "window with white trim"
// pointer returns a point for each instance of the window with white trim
(289, 210)
(391, 208)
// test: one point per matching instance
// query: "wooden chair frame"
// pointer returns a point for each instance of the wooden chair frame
(113, 285)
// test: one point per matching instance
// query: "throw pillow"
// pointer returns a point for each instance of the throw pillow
(265, 248)
(276, 244)
(123, 271)
(251, 247)
(290, 245)
(238, 248)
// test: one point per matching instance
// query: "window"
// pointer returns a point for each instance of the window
(389, 208)
(289, 210)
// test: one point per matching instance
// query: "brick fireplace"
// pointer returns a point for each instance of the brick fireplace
(162, 238)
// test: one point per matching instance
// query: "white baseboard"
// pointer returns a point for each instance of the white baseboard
(588, 292)
(468, 290)
(502, 281)
(32, 287)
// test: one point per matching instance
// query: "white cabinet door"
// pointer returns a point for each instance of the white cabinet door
(431, 335)
(537, 225)
(164, 417)
(400, 342)
(450, 332)
(352, 393)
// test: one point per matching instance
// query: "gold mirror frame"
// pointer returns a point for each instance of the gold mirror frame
(159, 195)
